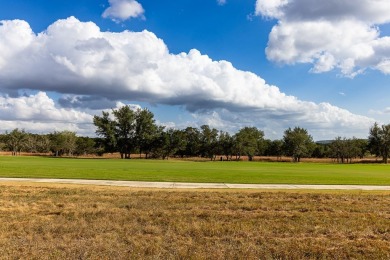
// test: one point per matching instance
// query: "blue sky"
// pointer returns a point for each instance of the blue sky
(271, 64)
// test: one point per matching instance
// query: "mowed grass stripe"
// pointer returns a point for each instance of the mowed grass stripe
(189, 171)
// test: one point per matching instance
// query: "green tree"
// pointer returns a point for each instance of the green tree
(297, 143)
(225, 144)
(31, 143)
(249, 141)
(208, 141)
(275, 148)
(174, 141)
(362, 147)
(146, 131)
(192, 140)
(379, 141)
(125, 130)
(15, 140)
(3, 145)
(319, 151)
(63, 143)
(338, 149)
(118, 132)
(374, 140)
(85, 145)
(43, 143)
(56, 143)
(106, 129)
(354, 148)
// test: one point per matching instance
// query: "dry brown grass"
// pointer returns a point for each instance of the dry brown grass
(46, 221)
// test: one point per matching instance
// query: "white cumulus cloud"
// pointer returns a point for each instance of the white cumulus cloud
(95, 69)
(121, 10)
(330, 35)
(38, 112)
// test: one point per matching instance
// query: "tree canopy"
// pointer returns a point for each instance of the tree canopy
(126, 130)
(297, 143)
(379, 141)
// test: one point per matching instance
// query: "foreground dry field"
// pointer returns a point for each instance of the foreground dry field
(47, 221)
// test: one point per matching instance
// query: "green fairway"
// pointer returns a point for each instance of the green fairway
(187, 171)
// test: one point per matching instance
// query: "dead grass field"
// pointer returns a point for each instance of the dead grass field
(48, 221)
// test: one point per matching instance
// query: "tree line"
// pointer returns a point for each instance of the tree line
(129, 131)
(58, 143)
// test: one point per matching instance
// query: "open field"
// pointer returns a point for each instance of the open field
(43, 221)
(189, 171)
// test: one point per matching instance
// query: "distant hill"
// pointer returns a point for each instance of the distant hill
(324, 142)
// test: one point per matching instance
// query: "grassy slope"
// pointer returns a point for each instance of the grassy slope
(184, 171)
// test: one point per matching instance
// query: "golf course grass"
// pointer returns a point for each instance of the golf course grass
(190, 171)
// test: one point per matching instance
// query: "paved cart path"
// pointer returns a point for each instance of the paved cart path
(182, 185)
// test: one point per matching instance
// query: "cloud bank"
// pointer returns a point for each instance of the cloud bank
(94, 69)
(332, 34)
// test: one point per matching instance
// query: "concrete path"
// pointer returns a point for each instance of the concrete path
(181, 185)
